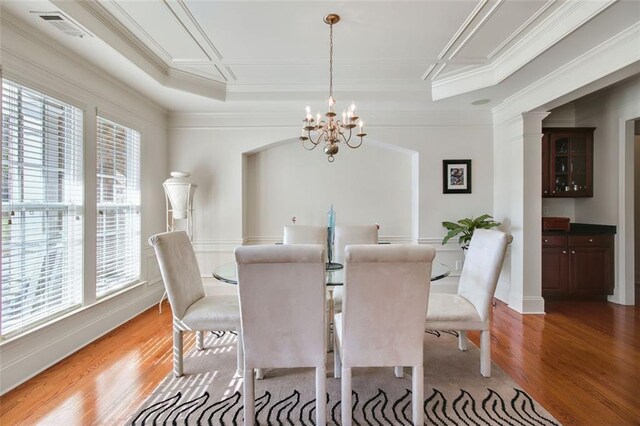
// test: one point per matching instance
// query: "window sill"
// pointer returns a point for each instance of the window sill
(43, 326)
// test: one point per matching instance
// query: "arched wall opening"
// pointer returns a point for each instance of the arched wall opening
(376, 183)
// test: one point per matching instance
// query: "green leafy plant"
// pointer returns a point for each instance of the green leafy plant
(466, 227)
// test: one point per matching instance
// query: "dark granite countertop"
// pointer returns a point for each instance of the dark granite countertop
(584, 229)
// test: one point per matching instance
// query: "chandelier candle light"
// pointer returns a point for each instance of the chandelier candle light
(331, 131)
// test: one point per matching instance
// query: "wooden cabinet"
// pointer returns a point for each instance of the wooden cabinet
(555, 271)
(577, 265)
(567, 162)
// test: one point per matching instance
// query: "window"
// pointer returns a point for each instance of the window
(118, 203)
(42, 193)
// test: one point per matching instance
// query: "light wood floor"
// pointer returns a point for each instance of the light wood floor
(581, 361)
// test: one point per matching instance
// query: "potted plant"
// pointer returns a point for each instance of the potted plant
(466, 227)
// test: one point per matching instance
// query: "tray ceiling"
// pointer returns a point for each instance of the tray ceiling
(218, 49)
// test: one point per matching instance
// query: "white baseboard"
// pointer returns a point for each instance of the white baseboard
(27, 356)
(528, 305)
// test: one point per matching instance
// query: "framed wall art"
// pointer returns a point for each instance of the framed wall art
(456, 176)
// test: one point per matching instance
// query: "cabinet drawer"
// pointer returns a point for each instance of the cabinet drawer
(554, 241)
(590, 241)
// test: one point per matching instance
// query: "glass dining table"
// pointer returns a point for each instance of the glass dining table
(335, 277)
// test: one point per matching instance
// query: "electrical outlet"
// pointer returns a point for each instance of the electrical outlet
(458, 265)
(545, 210)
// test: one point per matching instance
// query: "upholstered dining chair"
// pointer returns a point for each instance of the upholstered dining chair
(469, 308)
(305, 234)
(283, 322)
(309, 234)
(192, 309)
(386, 291)
(346, 235)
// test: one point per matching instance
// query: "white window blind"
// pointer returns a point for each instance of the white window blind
(118, 198)
(41, 207)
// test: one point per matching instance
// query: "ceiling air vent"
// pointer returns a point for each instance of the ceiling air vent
(63, 23)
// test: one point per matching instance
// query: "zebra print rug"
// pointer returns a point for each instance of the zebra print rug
(209, 393)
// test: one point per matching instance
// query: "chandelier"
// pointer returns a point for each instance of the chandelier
(331, 131)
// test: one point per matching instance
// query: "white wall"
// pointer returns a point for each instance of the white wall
(211, 146)
(369, 185)
(611, 112)
(637, 202)
(30, 58)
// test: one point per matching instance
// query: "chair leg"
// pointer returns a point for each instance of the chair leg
(321, 396)
(399, 372)
(463, 343)
(248, 397)
(329, 320)
(164, 295)
(417, 381)
(337, 362)
(240, 355)
(177, 352)
(346, 396)
(485, 353)
(199, 340)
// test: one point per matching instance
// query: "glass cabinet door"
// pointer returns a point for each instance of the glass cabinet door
(578, 164)
(560, 165)
(567, 162)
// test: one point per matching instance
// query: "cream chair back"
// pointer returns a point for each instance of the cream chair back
(385, 298)
(482, 267)
(282, 300)
(306, 234)
(353, 234)
(179, 269)
(282, 305)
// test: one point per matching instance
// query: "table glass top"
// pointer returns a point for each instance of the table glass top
(227, 273)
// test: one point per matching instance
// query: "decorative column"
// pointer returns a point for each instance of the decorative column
(518, 205)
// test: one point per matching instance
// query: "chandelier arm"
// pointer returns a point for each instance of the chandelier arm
(355, 146)
(349, 138)
(313, 144)
(318, 138)
(344, 138)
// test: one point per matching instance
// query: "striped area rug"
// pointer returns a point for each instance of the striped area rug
(210, 393)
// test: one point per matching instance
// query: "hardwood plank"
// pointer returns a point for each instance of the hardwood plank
(581, 361)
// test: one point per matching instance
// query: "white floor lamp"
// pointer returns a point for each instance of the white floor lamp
(178, 192)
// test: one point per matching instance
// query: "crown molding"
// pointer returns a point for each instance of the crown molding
(283, 119)
(21, 63)
(559, 24)
(477, 28)
(462, 28)
(322, 87)
(97, 19)
(606, 58)
(521, 28)
(189, 82)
